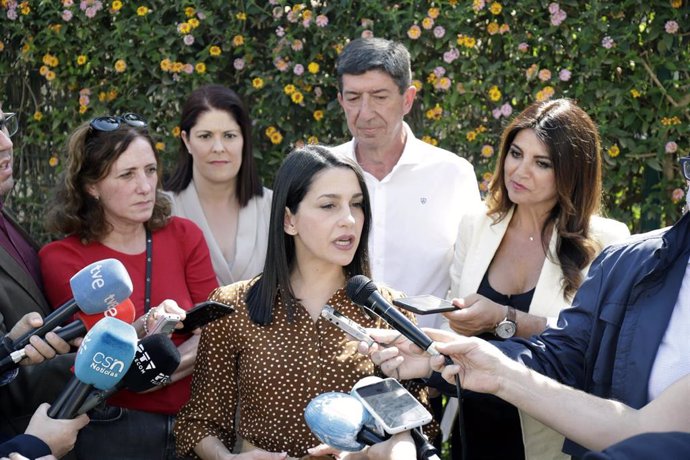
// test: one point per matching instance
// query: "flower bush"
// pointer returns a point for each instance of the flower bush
(475, 64)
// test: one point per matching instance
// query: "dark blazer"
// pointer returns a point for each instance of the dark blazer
(20, 295)
(669, 446)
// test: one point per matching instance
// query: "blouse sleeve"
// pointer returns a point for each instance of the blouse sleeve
(211, 408)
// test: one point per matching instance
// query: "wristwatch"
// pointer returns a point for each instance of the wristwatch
(508, 327)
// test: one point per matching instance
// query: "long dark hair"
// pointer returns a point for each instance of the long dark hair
(572, 140)
(293, 181)
(201, 100)
(90, 155)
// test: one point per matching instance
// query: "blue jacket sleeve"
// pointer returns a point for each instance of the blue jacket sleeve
(27, 445)
(670, 446)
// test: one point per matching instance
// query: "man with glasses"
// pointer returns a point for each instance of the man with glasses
(23, 389)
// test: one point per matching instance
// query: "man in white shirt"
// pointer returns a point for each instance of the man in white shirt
(418, 192)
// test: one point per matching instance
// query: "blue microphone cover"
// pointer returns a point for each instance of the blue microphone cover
(106, 353)
(101, 286)
(336, 419)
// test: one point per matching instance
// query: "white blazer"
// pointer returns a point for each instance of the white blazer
(477, 243)
(252, 234)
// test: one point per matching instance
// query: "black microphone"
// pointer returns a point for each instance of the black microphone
(156, 359)
(363, 292)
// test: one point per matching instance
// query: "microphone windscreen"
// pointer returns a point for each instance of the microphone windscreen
(124, 311)
(156, 359)
(359, 288)
(101, 285)
(106, 353)
(336, 419)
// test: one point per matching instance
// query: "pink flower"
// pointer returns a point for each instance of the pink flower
(367, 33)
(318, 92)
(523, 47)
(85, 92)
(451, 55)
(299, 69)
(297, 45)
(83, 5)
(280, 31)
(188, 68)
(443, 84)
(506, 110)
(439, 31)
(12, 14)
(558, 18)
(554, 8)
(188, 40)
(564, 75)
(306, 22)
(238, 64)
(67, 3)
(671, 27)
(439, 71)
(84, 99)
(277, 12)
(67, 15)
(280, 64)
(607, 42)
(91, 12)
(671, 147)
(321, 20)
(544, 75)
(496, 113)
(292, 16)
(677, 195)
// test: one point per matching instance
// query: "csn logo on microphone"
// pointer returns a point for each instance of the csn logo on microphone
(107, 365)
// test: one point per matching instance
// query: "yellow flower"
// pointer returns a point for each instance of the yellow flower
(160, 146)
(25, 8)
(142, 11)
(431, 78)
(116, 5)
(241, 16)
(43, 70)
(676, 3)
(417, 84)
(635, 93)
(270, 130)
(166, 64)
(614, 151)
(176, 67)
(83, 109)
(258, 83)
(112, 94)
(276, 138)
(200, 67)
(55, 28)
(487, 176)
(318, 115)
(427, 23)
(238, 40)
(307, 15)
(120, 65)
(102, 96)
(492, 28)
(471, 136)
(50, 75)
(312, 140)
(214, 50)
(289, 89)
(494, 93)
(38, 116)
(414, 32)
(495, 8)
(81, 59)
(433, 13)
(297, 97)
(2, 47)
(429, 140)
(53, 161)
(338, 47)
(193, 23)
(189, 11)
(26, 48)
(487, 151)
(184, 28)
(313, 67)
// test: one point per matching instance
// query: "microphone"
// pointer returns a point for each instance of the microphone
(104, 357)
(155, 361)
(339, 420)
(96, 288)
(362, 291)
(125, 311)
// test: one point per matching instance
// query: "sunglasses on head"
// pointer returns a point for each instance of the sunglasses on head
(9, 123)
(113, 122)
(685, 167)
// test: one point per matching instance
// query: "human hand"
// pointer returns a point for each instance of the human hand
(59, 434)
(396, 355)
(475, 315)
(150, 318)
(38, 349)
(480, 365)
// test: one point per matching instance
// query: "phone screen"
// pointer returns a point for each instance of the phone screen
(394, 405)
(424, 304)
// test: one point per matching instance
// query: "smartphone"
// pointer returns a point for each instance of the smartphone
(346, 324)
(393, 407)
(165, 324)
(424, 304)
(202, 314)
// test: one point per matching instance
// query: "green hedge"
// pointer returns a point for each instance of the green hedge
(626, 62)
